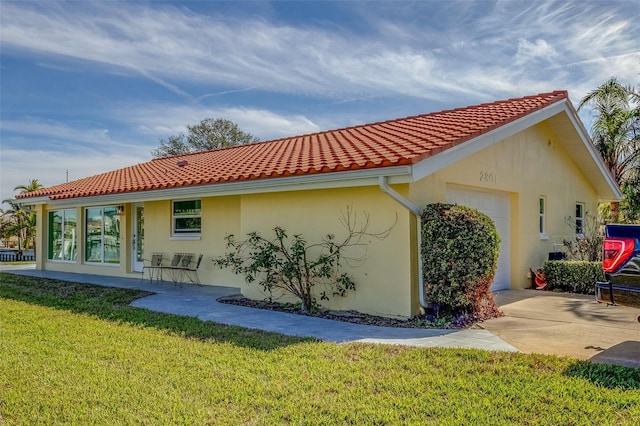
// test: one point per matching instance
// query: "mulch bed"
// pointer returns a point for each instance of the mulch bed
(345, 316)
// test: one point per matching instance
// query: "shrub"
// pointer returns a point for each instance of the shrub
(460, 248)
(292, 265)
(573, 276)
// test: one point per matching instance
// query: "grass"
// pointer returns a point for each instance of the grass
(78, 354)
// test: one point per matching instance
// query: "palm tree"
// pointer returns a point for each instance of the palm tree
(616, 130)
(15, 223)
(33, 185)
(20, 219)
(630, 208)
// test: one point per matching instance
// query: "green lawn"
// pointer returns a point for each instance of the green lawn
(77, 354)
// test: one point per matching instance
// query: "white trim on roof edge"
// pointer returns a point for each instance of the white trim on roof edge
(353, 178)
(440, 161)
(586, 140)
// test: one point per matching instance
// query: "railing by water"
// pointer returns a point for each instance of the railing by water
(17, 257)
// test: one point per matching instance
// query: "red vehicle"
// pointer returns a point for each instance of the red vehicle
(621, 264)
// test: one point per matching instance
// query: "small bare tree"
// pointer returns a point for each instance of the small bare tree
(293, 266)
(587, 246)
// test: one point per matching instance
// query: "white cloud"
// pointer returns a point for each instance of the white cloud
(453, 52)
(271, 125)
(41, 132)
(407, 54)
(50, 167)
(45, 149)
(55, 130)
(531, 51)
(164, 120)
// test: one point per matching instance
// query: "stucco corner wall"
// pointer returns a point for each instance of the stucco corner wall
(526, 166)
(383, 281)
(40, 242)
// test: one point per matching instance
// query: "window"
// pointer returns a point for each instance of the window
(579, 219)
(543, 221)
(102, 235)
(186, 218)
(62, 235)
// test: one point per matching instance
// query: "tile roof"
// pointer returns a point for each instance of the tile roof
(403, 141)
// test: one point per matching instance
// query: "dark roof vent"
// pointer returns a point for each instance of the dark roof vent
(182, 163)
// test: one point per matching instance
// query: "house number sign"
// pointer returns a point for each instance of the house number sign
(488, 177)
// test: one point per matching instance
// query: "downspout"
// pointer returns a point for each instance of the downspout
(417, 211)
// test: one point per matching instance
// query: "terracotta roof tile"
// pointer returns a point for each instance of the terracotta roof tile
(384, 144)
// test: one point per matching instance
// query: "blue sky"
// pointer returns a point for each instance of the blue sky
(87, 87)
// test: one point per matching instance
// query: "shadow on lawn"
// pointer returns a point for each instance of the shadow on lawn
(113, 304)
(607, 375)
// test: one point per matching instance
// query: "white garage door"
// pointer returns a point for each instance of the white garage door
(496, 206)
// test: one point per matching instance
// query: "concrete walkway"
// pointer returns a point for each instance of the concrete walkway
(200, 301)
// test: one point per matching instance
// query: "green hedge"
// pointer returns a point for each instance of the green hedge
(573, 276)
(459, 259)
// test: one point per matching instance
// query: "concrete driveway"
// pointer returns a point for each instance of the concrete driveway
(568, 324)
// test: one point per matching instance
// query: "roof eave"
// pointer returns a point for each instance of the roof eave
(352, 178)
(33, 201)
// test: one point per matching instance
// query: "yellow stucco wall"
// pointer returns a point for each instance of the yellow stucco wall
(527, 165)
(40, 242)
(220, 217)
(383, 282)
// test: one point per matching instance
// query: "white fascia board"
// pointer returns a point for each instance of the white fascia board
(440, 161)
(33, 201)
(346, 179)
(593, 152)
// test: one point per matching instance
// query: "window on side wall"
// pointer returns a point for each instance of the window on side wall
(580, 219)
(62, 235)
(543, 217)
(186, 218)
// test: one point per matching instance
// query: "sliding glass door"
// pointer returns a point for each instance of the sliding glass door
(102, 235)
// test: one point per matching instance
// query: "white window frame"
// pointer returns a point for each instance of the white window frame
(178, 234)
(542, 217)
(102, 242)
(580, 220)
(72, 250)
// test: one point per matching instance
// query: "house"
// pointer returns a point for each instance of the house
(528, 163)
